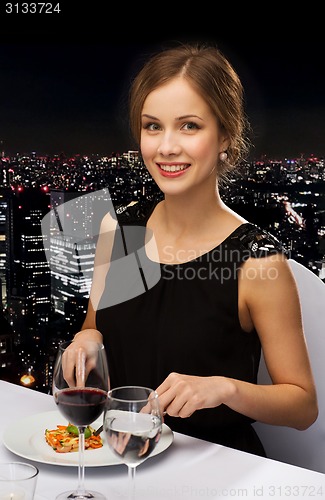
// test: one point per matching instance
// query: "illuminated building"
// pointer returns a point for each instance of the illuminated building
(28, 285)
(73, 227)
(7, 357)
(4, 197)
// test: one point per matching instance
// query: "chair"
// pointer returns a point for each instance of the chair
(303, 448)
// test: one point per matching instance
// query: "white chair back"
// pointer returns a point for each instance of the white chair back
(303, 448)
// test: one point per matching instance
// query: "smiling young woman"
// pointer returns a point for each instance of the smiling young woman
(196, 332)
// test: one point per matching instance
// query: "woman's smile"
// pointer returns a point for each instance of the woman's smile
(173, 169)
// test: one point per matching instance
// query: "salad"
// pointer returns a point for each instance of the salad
(65, 438)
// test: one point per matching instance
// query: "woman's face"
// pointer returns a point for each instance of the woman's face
(180, 138)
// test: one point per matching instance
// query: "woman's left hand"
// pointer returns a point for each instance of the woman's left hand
(181, 395)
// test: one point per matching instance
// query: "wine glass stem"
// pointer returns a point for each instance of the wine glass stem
(131, 474)
(81, 464)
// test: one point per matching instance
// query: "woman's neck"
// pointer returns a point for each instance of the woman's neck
(183, 213)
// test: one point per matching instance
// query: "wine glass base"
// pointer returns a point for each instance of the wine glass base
(77, 495)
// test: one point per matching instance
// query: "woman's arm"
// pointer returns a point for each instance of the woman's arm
(268, 301)
(267, 287)
(101, 265)
(83, 341)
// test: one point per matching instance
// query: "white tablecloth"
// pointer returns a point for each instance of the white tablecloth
(189, 469)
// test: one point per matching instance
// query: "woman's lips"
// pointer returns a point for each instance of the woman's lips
(172, 169)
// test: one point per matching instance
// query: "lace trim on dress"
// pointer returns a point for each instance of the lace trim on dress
(135, 213)
(259, 242)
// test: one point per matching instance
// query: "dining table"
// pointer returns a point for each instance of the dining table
(188, 468)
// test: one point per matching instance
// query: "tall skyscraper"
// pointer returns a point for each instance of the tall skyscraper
(28, 273)
(72, 228)
(4, 203)
(8, 360)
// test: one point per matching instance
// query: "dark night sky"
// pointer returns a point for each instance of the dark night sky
(63, 85)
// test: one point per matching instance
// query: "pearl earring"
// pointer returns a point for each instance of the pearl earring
(223, 156)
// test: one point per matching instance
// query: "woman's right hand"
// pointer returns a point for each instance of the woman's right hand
(82, 348)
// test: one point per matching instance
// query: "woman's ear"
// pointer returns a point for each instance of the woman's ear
(224, 143)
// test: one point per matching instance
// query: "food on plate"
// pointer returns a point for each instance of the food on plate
(65, 438)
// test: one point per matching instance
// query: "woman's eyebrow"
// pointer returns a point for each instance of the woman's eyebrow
(186, 117)
(178, 118)
(149, 116)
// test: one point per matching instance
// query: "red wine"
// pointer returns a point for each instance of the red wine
(81, 406)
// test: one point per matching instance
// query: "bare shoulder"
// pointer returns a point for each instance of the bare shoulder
(105, 243)
(268, 283)
(273, 269)
(276, 263)
(108, 223)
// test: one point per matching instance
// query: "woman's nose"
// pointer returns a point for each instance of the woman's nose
(169, 145)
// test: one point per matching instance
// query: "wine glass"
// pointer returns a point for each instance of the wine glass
(80, 386)
(132, 425)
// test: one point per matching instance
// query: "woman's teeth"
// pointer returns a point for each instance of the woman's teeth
(172, 168)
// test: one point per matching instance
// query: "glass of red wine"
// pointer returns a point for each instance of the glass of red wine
(132, 426)
(80, 387)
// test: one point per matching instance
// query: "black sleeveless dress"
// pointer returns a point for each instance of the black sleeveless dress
(182, 318)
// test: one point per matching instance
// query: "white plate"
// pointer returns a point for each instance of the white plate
(26, 438)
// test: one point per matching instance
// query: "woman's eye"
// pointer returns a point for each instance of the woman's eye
(151, 126)
(190, 126)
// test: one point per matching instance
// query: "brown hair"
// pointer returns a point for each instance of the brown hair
(212, 76)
